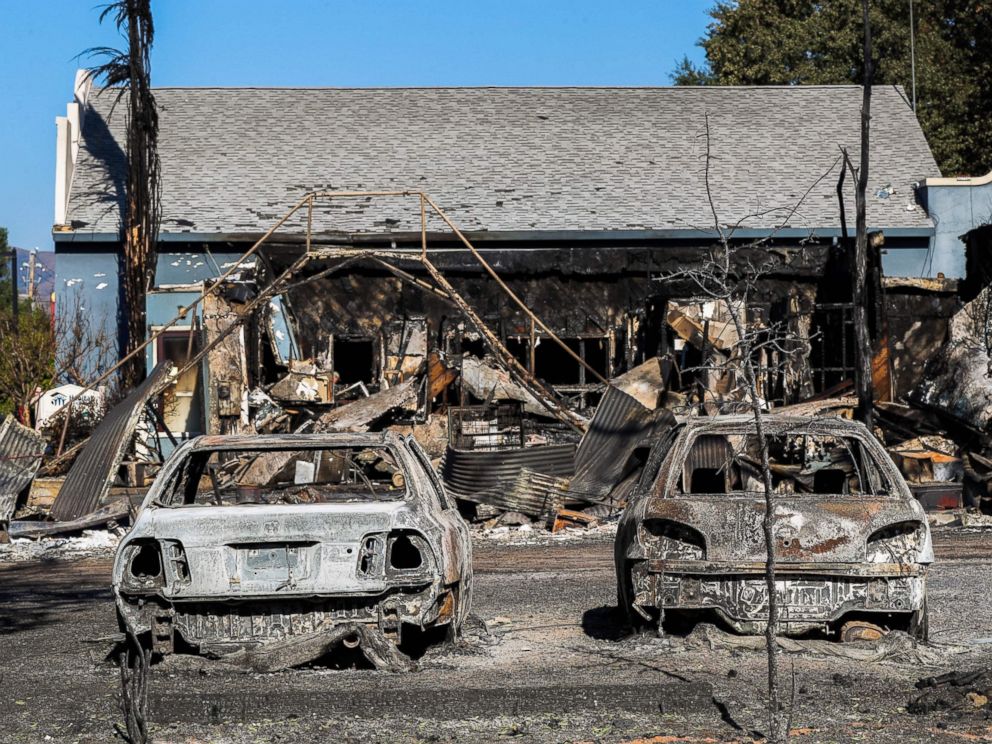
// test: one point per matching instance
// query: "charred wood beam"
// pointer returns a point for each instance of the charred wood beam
(543, 395)
(520, 303)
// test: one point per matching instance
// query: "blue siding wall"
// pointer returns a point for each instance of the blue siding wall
(87, 282)
(955, 210)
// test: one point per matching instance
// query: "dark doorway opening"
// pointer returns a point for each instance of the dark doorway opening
(354, 361)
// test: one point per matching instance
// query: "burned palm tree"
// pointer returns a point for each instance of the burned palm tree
(128, 73)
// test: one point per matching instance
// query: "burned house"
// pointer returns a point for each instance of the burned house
(585, 202)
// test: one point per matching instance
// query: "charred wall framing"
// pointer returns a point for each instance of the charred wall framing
(596, 296)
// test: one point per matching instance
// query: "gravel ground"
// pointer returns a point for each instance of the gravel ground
(541, 663)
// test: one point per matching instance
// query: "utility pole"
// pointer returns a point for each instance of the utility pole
(912, 51)
(32, 263)
(14, 310)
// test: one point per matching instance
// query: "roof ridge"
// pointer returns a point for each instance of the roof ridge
(836, 86)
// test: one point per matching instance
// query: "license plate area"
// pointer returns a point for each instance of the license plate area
(280, 563)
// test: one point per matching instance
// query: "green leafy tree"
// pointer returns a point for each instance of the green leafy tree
(38, 351)
(805, 42)
(27, 358)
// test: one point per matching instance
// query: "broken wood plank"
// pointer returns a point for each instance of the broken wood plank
(565, 518)
(44, 490)
(114, 512)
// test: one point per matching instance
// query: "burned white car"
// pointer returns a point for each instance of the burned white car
(851, 543)
(273, 551)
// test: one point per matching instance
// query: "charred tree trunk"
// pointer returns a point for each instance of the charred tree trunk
(141, 221)
(862, 377)
(129, 72)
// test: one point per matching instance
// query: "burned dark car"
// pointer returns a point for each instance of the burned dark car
(851, 543)
(275, 550)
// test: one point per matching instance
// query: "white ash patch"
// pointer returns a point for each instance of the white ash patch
(535, 534)
(89, 543)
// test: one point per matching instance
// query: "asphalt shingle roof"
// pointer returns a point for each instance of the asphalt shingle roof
(509, 159)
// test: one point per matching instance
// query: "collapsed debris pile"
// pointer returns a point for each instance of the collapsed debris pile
(505, 462)
(965, 692)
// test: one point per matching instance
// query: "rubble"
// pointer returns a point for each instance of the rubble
(107, 516)
(497, 477)
(705, 324)
(966, 692)
(490, 383)
(295, 343)
(95, 469)
(97, 542)
(304, 383)
(21, 450)
(957, 377)
(362, 414)
(932, 470)
(622, 424)
(537, 534)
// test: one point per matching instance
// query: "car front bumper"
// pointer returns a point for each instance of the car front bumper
(810, 596)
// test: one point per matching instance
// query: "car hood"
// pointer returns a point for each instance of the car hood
(807, 528)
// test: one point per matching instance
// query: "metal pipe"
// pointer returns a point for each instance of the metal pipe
(351, 641)
(423, 229)
(309, 222)
(406, 276)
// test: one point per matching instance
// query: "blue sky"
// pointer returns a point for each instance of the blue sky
(346, 43)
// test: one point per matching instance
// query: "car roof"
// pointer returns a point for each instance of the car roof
(302, 441)
(773, 423)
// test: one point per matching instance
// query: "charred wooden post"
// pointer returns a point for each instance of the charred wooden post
(862, 378)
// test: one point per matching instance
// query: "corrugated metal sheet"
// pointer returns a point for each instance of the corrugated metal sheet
(620, 425)
(21, 450)
(536, 495)
(96, 467)
(488, 477)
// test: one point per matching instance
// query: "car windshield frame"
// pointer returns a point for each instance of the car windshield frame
(878, 477)
(179, 491)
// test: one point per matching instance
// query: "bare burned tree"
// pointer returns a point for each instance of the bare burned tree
(44, 352)
(129, 73)
(728, 276)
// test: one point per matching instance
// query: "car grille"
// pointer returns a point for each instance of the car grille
(269, 620)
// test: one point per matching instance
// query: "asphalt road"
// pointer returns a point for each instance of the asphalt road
(543, 663)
